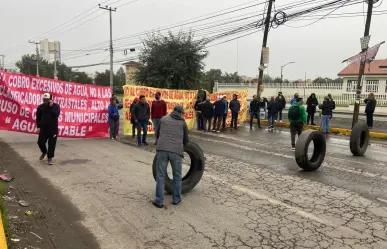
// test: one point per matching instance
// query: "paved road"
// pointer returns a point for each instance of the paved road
(252, 194)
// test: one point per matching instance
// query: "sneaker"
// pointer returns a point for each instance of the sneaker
(280, 121)
(275, 120)
(49, 161)
(157, 205)
(42, 156)
(176, 203)
(144, 143)
(134, 136)
(251, 128)
(218, 131)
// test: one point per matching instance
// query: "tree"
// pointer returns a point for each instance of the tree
(81, 77)
(286, 81)
(172, 61)
(27, 65)
(277, 80)
(267, 79)
(209, 78)
(103, 79)
(120, 74)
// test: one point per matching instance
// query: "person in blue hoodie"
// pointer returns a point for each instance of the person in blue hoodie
(294, 100)
(114, 117)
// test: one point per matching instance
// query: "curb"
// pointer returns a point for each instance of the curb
(3, 240)
(342, 131)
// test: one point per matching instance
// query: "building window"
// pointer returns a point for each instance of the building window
(372, 86)
(351, 85)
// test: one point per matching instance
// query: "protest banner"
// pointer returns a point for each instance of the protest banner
(185, 98)
(242, 97)
(83, 107)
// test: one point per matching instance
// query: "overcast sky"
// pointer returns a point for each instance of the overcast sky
(318, 49)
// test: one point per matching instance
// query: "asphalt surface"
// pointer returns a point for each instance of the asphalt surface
(252, 195)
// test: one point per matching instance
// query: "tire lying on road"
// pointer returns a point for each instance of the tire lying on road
(360, 136)
(195, 172)
(301, 153)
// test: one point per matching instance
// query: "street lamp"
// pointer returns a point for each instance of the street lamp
(281, 73)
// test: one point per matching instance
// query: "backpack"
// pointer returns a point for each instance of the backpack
(294, 113)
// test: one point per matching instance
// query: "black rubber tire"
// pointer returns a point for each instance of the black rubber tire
(195, 173)
(301, 153)
(359, 140)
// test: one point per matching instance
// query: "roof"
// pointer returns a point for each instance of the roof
(376, 67)
(130, 63)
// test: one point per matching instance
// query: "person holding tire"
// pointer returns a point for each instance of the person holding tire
(370, 109)
(297, 118)
(172, 135)
(326, 113)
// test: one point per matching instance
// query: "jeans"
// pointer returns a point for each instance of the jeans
(162, 159)
(207, 121)
(224, 121)
(156, 123)
(325, 123)
(143, 124)
(234, 119)
(256, 115)
(217, 122)
(370, 119)
(134, 130)
(280, 114)
(295, 129)
(272, 117)
(113, 124)
(310, 117)
(199, 120)
(50, 137)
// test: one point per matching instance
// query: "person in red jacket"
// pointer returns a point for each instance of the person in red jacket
(158, 110)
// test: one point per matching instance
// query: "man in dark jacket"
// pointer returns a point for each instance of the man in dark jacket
(132, 120)
(158, 110)
(281, 101)
(370, 109)
(172, 135)
(326, 113)
(47, 115)
(141, 115)
(311, 105)
(254, 112)
(218, 114)
(207, 110)
(235, 107)
(225, 103)
(272, 111)
(199, 117)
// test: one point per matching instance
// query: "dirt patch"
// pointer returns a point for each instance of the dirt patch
(50, 220)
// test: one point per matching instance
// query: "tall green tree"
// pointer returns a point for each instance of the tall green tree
(27, 65)
(277, 80)
(172, 61)
(120, 74)
(267, 79)
(209, 78)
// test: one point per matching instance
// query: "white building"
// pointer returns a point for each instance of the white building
(50, 50)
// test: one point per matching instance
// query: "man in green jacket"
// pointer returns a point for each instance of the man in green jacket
(297, 118)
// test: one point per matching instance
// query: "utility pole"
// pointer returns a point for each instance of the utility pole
(110, 9)
(264, 42)
(37, 56)
(356, 108)
(2, 61)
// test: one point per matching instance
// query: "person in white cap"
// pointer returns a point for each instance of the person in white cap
(47, 115)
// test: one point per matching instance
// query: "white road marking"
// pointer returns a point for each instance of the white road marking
(326, 165)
